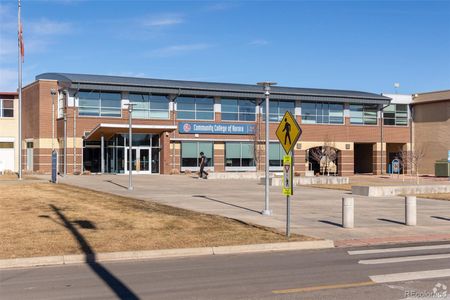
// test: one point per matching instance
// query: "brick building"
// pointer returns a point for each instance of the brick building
(431, 127)
(174, 120)
(9, 156)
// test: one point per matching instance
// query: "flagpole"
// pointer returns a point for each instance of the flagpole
(19, 39)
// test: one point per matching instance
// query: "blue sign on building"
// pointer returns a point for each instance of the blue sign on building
(216, 128)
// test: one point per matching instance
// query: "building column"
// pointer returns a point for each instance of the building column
(102, 154)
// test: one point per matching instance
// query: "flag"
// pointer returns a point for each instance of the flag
(21, 45)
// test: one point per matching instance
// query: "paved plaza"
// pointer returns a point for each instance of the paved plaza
(315, 212)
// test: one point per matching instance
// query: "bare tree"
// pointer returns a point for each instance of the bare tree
(317, 154)
(413, 159)
(325, 155)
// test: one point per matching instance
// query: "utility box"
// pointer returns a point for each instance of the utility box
(442, 168)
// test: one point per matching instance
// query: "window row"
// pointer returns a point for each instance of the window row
(103, 104)
(396, 114)
(6, 108)
(238, 155)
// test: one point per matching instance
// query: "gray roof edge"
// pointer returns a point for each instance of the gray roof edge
(226, 87)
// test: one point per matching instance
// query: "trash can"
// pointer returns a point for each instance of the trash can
(442, 168)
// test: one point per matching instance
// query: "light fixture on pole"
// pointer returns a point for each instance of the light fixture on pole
(130, 145)
(267, 85)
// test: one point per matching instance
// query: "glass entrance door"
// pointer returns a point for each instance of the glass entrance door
(140, 162)
(144, 161)
(145, 154)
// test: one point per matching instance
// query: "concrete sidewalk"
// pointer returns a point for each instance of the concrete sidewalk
(315, 212)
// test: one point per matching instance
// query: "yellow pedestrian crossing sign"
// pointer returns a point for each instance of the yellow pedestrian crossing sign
(288, 132)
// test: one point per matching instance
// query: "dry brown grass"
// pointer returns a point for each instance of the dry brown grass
(29, 226)
(441, 196)
(8, 177)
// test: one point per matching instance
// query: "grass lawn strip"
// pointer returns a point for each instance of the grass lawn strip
(30, 225)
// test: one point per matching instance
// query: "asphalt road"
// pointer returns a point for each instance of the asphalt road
(315, 274)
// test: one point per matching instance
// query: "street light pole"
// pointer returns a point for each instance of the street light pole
(53, 93)
(130, 146)
(266, 85)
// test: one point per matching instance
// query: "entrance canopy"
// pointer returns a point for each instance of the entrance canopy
(109, 130)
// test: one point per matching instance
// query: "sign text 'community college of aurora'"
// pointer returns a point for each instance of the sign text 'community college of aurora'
(216, 128)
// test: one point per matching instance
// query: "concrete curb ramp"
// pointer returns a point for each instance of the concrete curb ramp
(167, 253)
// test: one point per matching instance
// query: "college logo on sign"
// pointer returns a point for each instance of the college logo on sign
(187, 127)
(216, 128)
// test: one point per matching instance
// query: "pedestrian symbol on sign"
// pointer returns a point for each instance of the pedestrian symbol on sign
(287, 128)
(288, 132)
(286, 177)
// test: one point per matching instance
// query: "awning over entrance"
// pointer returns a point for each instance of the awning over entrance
(108, 130)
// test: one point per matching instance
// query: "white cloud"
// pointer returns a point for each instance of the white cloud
(128, 74)
(38, 35)
(8, 80)
(259, 42)
(45, 27)
(161, 21)
(221, 6)
(179, 49)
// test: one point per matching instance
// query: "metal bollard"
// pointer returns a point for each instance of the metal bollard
(410, 211)
(348, 216)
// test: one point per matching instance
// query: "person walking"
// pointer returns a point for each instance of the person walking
(202, 166)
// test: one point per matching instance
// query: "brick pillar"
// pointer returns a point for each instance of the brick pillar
(165, 162)
(299, 160)
(346, 163)
(219, 156)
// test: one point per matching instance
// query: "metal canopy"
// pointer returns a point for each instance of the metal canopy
(109, 130)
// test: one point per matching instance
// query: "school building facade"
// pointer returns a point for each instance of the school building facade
(431, 127)
(175, 120)
(9, 131)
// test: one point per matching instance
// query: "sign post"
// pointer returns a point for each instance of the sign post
(288, 133)
(288, 188)
(54, 166)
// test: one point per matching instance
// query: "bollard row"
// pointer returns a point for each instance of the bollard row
(348, 211)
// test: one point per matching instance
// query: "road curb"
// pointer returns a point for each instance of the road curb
(166, 253)
(392, 240)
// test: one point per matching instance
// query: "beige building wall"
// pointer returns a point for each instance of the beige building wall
(9, 128)
(431, 115)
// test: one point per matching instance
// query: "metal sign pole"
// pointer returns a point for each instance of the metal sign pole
(288, 197)
(288, 216)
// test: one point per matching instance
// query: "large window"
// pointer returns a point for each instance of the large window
(322, 113)
(189, 108)
(276, 154)
(149, 106)
(239, 155)
(396, 114)
(238, 110)
(6, 108)
(190, 154)
(363, 114)
(99, 104)
(277, 109)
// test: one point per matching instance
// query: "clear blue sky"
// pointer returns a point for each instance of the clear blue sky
(360, 45)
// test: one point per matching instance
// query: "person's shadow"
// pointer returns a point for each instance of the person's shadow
(117, 286)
